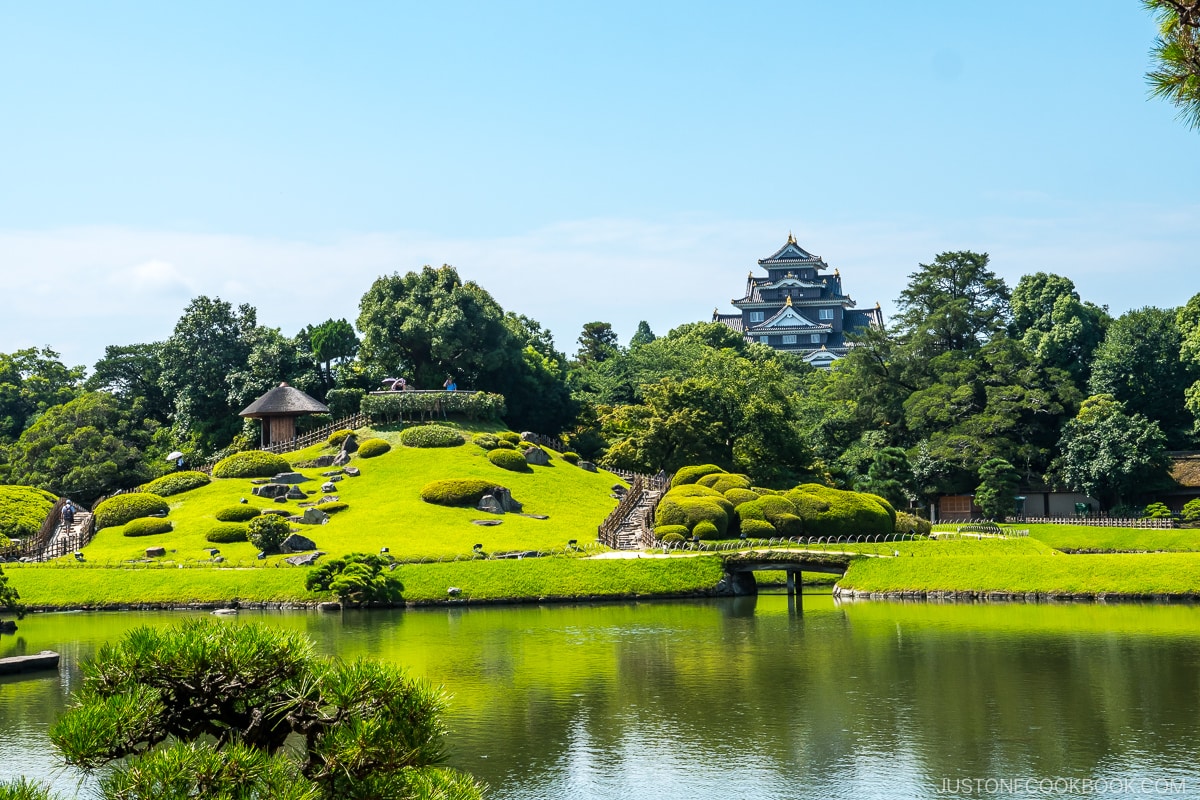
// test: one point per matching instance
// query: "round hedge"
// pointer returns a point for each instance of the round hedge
(176, 483)
(570, 458)
(885, 504)
(673, 538)
(267, 531)
(724, 481)
(694, 490)
(251, 464)
(369, 448)
(911, 523)
(705, 529)
(227, 533)
(675, 509)
(487, 441)
(687, 475)
(833, 512)
(23, 509)
(667, 530)
(334, 507)
(238, 513)
(509, 459)
(758, 529)
(337, 437)
(430, 436)
(127, 507)
(457, 492)
(739, 496)
(147, 526)
(504, 444)
(509, 436)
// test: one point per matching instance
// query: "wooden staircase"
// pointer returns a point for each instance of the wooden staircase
(638, 521)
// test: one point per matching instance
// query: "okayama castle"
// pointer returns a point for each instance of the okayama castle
(796, 309)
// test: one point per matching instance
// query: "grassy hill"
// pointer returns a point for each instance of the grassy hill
(386, 510)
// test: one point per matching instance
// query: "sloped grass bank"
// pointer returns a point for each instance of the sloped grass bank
(1093, 538)
(1085, 576)
(81, 586)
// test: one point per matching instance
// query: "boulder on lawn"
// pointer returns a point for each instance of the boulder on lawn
(490, 504)
(296, 493)
(305, 560)
(586, 466)
(353, 472)
(295, 543)
(155, 552)
(271, 490)
(314, 516)
(536, 456)
(329, 498)
(328, 487)
(341, 459)
(289, 477)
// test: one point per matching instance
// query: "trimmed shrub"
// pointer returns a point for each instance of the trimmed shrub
(334, 507)
(337, 437)
(705, 529)
(369, 448)
(1157, 511)
(724, 481)
(788, 525)
(227, 533)
(758, 529)
(147, 526)
(429, 436)
(891, 511)
(176, 483)
(694, 490)
(267, 531)
(485, 440)
(763, 491)
(504, 444)
(127, 507)
(672, 538)
(687, 475)
(675, 509)
(509, 459)
(388, 406)
(739, 496)
(344, 402)
(23, 509)
(238, 513)
(570, 458)
(509, 436)
(833, 512)
(251, 464)
(1191, 510)
(671, 530)
(456, 492)
(911, 523)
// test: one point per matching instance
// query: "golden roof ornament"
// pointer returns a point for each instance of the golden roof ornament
(789, 299)
(837, 273)
(791, 238)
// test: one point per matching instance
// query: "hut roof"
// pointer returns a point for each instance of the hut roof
(284, 400)
(1185, 469)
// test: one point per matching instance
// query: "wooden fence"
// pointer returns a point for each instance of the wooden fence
(608, 531)
(1105, 522)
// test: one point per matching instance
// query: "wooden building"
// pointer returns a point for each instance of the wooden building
(278, 410)
(797, 309)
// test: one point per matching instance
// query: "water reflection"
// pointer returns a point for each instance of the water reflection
(747, 697)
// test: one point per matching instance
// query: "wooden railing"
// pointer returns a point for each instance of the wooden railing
(607, 532)
(352, 422)
(43, 547)
(1106, 522)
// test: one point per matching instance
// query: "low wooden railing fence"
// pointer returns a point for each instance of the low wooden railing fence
(607, 532)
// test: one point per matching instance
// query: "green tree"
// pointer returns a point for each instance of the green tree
(643, 335)
(31, 381)
(890, 476)
(1176, 76)
(597, 342)
(1109, 454)
(207, 710)
(997, 490)
(1055, 326)
(1139, 363)
(429, 324)
(955, 303)
(132, 374)
(333, 340)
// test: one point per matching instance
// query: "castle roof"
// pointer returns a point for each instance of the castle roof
(792, 254)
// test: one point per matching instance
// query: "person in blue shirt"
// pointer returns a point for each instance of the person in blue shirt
(450, 385)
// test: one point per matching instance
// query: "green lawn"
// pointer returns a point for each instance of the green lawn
(385, 509)
(1096, 538)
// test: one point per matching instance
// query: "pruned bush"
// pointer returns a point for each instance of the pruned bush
(176, 483)
(687, 475)
(23, 509)
(1191, 510)
(509, 436)
(1156, 511)
(505, 444)
(757, 529)
(357, 578)
(457, 492)
(227, 533)
(739, 496)
(369, 448)
(509, 459)
(891, 511)
(390, 406)
(334, 507)
(705, 529)
(239, 513)
(570, 458)
(911, 523)
(671, 530)
(267, 532)
(127, 507)
(688, 509)
(485, 440)
(337, 437)
(344, 402)
(430, 436)
(695, 490)
(788, 525)
(673, 538)
(251, 464)
(833, 512)
(147, 526)
(724, 481)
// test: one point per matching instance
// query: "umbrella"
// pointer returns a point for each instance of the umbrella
(174, 455)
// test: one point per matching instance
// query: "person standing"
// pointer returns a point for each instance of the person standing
(68, 514)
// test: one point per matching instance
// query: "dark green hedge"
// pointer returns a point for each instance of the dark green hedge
(686, 508)
(739, 496)
(147, 526)
(758, 529)
(344, 402)
(334, 507)
(509, 459)
(369, 448)
(833, 512)
(251, 464)
(267, 531)
(724, 481)
(487, 441)
(176, 483)
(227, 533)
(570, 458)
(430, 436)
(457, 492)
(391, 406)
(127, 507)
(239, 513)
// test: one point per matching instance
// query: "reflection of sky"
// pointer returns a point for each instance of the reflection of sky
(686, 700)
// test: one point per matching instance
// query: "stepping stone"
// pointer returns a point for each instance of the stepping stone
(486, 522)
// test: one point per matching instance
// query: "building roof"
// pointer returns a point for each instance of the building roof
(734, 321)
(284, 400)
(1185, 469)
(792, 253)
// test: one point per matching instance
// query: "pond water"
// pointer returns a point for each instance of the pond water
(750, 697)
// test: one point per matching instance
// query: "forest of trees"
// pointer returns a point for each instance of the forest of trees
(972, 385)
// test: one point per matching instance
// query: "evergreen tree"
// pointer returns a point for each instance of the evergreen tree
(997, 490)
(890, 476)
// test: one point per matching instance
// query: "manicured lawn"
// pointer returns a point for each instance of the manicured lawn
(385, 509)
(1096, 538)
(1142, 574)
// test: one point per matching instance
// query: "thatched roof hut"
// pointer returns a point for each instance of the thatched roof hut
(278, 410)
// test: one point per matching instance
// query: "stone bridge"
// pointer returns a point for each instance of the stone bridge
(740, 567)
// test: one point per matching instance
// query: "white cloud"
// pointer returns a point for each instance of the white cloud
(128, 285)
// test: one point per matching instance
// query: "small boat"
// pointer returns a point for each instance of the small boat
(47, 659)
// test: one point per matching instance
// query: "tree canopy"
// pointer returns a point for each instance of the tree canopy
(1176, 74)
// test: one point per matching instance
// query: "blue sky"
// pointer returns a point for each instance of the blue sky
(620, 161)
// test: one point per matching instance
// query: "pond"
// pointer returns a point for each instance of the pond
(750, 697)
